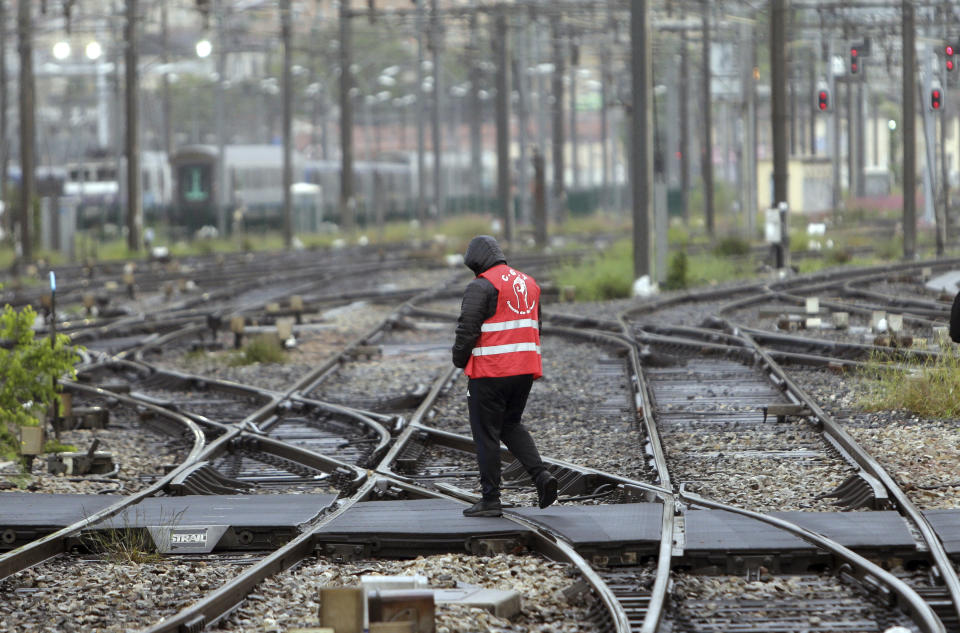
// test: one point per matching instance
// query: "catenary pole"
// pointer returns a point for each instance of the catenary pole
(706, 158)
(778, 94)
(287, 34)
(502, 53)
(220, 192)
(421, 123)
(909, 132)
(641, 152)
(132, 95)
(27, 126)
(559, 193)
(346, 121)
(4, 110)
(436, 34)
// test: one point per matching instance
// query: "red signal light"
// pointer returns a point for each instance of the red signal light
(853, 52)
(823, 100)
(949, 50)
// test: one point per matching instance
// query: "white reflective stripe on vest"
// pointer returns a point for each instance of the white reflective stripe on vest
(508, 325)
(491, 350)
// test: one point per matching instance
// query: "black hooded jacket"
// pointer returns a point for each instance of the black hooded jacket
(479, 299)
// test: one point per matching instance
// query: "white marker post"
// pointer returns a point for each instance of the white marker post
(55, 410)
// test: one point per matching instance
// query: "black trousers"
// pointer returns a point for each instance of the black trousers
(496, 405)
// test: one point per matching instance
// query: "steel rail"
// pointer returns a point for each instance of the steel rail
(923, 613)
(219, 603)
(872, 466)
(48, 546)
(661, 583)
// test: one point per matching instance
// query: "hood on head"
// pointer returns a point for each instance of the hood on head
(483, 253)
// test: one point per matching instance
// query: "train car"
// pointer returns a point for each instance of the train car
(93, 183)
(253, 179)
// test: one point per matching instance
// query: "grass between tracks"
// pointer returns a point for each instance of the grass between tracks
(929, 388)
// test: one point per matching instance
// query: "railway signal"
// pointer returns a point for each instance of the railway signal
(823, 100)
(854, 60)
(948, 52)
(936, 99)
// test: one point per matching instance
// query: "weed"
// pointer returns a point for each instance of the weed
(890, 249)
(677, 272)
(837, 255)
(607, 276)
(20, 480)
(263, 348)
(54, 446)
(127, 543)
(732, 245)
(930, 388)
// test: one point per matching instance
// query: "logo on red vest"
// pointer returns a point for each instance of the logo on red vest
(522, 299)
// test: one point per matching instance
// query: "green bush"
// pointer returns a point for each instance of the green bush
(263, 348)
(837, 255)
(608, 276)
(678, 235)
(799, 241)
(27, 373)
(677, 272)
(929, 389)
(732, 246)
(891, 249)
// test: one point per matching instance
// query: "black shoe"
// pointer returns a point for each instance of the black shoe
(485, 509)
(546, 489)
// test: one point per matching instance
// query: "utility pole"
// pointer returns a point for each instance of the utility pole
(132, 83)
(944, 202)
(4, 105)
(476, 117)
(523, 120)
(684, 128)
(778, 94)
(539, 200)
(834, 88)
(559, 193)
(811, 108)
(502, 55)
(743, 154)
(641, 163)
(861, 138)
(436, 36)
(221, 189)
(165, 85)
(706, 160)
(347, 201)
(574, 141)
(909, 132)
(753, 204)
(286, 32)
(27, 127)
(606, 196)
(851, 139)
(421, 124)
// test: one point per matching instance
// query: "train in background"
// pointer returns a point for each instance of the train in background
(93, 183)
(179, 190)
(253, 175)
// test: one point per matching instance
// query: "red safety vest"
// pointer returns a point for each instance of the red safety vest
(509, 341)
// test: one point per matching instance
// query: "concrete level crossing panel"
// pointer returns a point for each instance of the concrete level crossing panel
(946, 523)
(620, 524)
(716, 530)
(412, 527)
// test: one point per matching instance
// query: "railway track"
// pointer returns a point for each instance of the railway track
(617, 392)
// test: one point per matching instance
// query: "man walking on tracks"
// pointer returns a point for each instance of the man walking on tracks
(498, 346)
